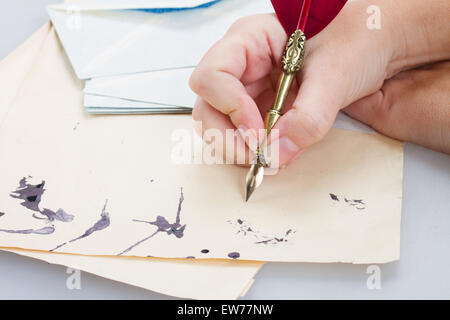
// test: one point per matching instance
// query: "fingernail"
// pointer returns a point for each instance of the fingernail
(248, 136)
(288, 150)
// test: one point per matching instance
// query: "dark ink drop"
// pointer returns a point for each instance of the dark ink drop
(234, 255)
(334, 197)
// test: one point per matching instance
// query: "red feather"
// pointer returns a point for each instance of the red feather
(311, 16)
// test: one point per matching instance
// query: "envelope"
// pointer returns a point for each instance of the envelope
(154, 5)
(112, 42)
(169, 87)
(95, 104)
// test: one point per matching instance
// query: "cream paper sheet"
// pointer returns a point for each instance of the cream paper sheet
(193, 279)
(112, 187)
(211, 279)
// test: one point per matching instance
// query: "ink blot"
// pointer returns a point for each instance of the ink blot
(334, 197)
(234, 255)
(163, 226)
(359, 204)
(245, 229)
(42, 231)
(2, 214)
(205, 251)
(190, 257)
(101, 224)
(32, 196)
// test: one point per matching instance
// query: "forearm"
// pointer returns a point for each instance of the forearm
(421, 32)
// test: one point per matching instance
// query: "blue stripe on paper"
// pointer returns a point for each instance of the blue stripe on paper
(166, 10)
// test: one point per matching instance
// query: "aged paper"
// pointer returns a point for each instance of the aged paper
(194, 279)
(183, 278)
(15, 67)
(73, 183)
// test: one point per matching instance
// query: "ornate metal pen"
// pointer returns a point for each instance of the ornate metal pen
(295, 15)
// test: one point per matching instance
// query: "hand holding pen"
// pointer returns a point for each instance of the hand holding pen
(346, 65)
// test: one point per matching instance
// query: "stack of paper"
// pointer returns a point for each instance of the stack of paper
(137, 56)
(41, 60)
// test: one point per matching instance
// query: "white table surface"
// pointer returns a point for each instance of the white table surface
(422, 272)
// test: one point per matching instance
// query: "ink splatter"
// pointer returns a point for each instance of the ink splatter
(275, 240)
(356, 203)
(246, 229)
(190, 257)
(205, 251)
(334, 197)
(163, 226)
(42, 231)
(32, 195)
(2, 214)
(234, 255)
(101, 224)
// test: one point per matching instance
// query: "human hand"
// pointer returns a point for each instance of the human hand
(237, 78)
(413, 106)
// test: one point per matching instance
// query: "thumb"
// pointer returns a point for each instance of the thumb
(308, 121)
(413, 106)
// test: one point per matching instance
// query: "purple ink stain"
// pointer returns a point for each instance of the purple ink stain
(234, 255)
(32, 196)
(42, 231)
(356, 203)
(101, 224)
(190, 257)
(2, 214)
(205, 251)
(163, 226)
(246, 229)
(334, 197)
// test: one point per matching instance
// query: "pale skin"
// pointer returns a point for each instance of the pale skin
(396, 79)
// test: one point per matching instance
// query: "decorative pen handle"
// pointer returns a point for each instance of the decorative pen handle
(291, 64)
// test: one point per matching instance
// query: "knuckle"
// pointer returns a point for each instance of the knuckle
(196, 81)
(241, 22)
(381, 111)
(313, 126)
(197, 112)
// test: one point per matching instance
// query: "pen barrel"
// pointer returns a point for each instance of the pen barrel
(291, 63)
(284, 86)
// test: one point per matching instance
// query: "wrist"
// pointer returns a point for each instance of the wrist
(419, 33)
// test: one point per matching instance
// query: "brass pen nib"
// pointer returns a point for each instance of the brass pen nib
(254, 179)
(256, 174)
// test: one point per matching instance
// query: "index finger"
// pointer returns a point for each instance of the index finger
(243, 56)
